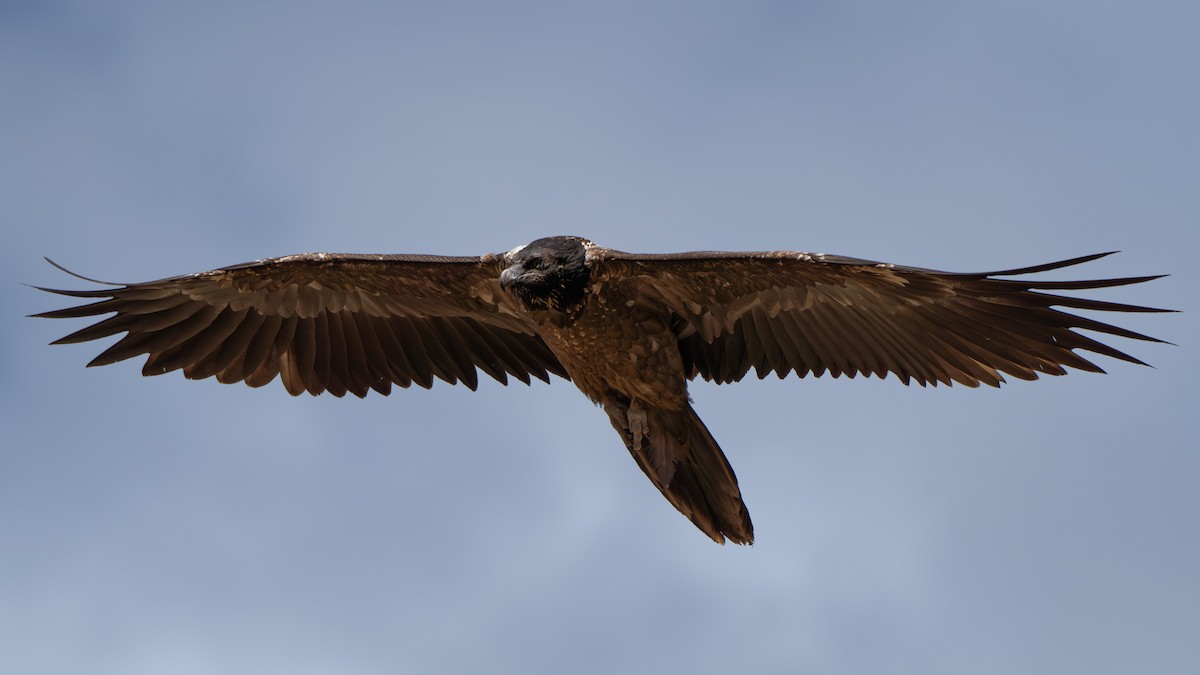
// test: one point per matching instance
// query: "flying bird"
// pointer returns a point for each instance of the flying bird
(630, 330)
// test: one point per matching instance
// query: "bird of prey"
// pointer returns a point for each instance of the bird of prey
(630, 330)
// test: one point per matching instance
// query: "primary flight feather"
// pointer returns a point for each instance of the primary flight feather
(630, 330)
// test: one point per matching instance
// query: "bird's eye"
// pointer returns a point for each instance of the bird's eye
(535, 264)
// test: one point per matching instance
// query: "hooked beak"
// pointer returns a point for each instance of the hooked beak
(507, 277)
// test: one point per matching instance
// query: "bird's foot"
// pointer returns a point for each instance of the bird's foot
(639, 426)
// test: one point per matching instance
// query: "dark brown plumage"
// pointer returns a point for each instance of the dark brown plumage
(630, 330)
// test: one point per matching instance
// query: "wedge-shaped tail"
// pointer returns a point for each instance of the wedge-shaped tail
(679, 455)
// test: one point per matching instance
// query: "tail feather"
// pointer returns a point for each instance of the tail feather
(679, 455)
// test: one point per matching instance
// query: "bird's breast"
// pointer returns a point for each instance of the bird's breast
(618, 349)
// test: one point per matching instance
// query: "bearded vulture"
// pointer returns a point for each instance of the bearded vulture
(630, 330)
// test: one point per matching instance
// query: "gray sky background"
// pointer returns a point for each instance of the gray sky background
(152, 526)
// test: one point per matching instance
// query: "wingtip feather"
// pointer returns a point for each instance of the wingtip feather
(79, 276)
(1045, 267)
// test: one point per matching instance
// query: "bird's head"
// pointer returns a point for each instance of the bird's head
(548, 274)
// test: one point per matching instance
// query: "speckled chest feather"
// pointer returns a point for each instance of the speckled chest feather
(616, 349)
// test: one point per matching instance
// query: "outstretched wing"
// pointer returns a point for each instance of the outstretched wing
(322, 322)
(813, 313)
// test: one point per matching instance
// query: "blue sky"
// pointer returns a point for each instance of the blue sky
(160, 525)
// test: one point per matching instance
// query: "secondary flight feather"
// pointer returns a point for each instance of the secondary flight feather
(630, 330)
